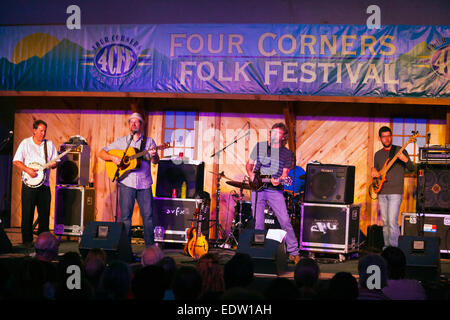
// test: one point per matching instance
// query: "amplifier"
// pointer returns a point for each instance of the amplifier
(329, 228)
(172, 217)
(435, 154)
(434, 225)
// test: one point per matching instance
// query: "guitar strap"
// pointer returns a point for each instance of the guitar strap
(392, 152)
(45, 152)
(143, 143)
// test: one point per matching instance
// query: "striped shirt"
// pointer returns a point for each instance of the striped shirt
(271, 161)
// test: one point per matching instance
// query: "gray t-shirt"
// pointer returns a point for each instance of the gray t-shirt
(395, 176)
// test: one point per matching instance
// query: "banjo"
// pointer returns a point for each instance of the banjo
(41, 170)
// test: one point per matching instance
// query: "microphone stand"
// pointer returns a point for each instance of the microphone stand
(217, 154)
(5, 142)
(116, 176)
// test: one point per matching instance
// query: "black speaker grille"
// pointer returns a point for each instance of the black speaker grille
(433, 189)
(323, 185)
(68, 172)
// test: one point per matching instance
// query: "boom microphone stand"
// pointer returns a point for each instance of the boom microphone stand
(217, 154)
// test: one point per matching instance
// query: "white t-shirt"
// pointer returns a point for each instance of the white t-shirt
(29, 152)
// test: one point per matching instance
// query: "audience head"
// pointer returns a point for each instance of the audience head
(149, 283)
(343, 286)
(187, 284)
(151, 255)
(281, 289)
(238, 271)
(211, 272)
(115, 282)
(67, 260)
(46, 246)
(396, 262)
(364, 271)
(306, 273)
(170, 268)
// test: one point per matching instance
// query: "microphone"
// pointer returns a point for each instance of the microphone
(428, 138)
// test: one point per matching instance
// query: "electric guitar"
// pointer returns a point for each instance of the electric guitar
(377, 183)
(131, 161)
(262, 181)
(41, 170)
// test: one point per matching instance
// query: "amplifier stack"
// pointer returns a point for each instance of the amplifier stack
(329, 220)
(74, 198)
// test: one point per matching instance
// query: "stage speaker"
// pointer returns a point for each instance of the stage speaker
(267, 253)
(74, 209)
(433, 188)
(5, 244)
(171, 176)
(422, 257)
(329, 183)
(73, 168)
(109, 236)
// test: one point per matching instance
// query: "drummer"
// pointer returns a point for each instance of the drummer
(297, 174)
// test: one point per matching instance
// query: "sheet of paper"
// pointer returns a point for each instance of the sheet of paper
(276, 234)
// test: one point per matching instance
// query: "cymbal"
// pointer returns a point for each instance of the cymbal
(220, 174)
(239, 184)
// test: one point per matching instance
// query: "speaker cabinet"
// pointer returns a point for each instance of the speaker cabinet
(433, 188)
(171, 176)
(422, 257)
(268, 255)
(329, 183)
(74, 209)
(73, 169)
(109, 236)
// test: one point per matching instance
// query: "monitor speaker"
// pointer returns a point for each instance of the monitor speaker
(433, 188)
(329, 183)
(172, 175)
(268, 255)
(109, 236)
(422, 257)
(73, 168)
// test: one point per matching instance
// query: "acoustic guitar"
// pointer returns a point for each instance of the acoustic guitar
(198, 245)
(41, 171)
(377, 183)
(262, 181)
(131, 161)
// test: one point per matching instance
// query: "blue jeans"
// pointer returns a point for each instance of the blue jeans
(389, 208)
(277, 202)
(144, 197)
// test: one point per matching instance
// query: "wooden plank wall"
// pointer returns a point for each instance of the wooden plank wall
(326, 132)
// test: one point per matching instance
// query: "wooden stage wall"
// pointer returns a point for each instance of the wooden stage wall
(339, 133)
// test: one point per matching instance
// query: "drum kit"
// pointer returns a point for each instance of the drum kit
(243, 213)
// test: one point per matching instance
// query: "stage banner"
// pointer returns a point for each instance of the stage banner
(280, 59)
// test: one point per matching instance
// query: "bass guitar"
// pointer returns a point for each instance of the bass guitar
(41, 171)
(377, 183)
(131, 161)
(197, 245)
(262, 181)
